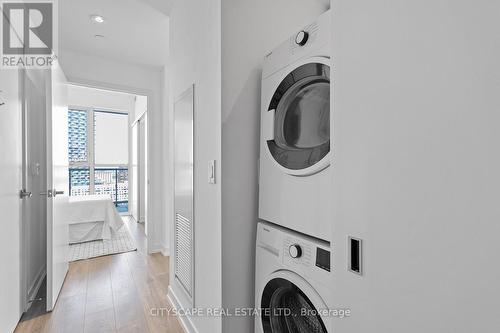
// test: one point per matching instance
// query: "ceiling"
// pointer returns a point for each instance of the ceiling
(135, 31)
(163, 6)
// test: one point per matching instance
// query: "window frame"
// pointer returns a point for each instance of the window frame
(90, 163)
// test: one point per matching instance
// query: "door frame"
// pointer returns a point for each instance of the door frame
(140, 166)
(134, 196)
(140, 163)
(134, 91)
(23, 242)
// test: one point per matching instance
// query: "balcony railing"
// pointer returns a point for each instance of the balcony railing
(111, 181)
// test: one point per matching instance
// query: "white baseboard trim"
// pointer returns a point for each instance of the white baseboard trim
(160, 248)
(165, 250)
(186, 323)
(36, 284)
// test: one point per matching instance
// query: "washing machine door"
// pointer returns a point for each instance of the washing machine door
(298, 119)
(290, 305)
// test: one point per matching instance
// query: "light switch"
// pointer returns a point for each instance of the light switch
(211, 172)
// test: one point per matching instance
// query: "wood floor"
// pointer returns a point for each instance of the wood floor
(111, 294)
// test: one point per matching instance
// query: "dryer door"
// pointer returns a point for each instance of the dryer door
(291, 307)
(300, 112)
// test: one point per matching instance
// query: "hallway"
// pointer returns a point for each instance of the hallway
(111, 294)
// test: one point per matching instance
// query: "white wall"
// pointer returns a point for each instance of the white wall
(98, 98)
(250, 30)
(416, 171)
(138, 79)
(195, 58)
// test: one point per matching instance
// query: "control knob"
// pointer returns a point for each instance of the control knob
(295, 251)
(301, 38)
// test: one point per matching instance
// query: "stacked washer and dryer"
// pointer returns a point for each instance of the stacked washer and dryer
(293, 249)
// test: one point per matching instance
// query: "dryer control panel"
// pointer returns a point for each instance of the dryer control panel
(311, 40)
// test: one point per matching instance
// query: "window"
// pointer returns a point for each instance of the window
(98, 154)
(110, 138)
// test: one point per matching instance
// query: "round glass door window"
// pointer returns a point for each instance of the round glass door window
(286, 309)
(302, 117)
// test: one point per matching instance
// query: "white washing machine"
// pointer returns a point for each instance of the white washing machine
(291, 282)
(294, 174)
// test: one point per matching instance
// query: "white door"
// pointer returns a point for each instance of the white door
(297, 119)
(34, 228)
(184, 191)
(57, 183)
(10, 203)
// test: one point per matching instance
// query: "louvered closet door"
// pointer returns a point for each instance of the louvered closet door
(183, 168)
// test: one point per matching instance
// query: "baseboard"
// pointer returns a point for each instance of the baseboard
(160, 248)
(155, 248)
(36, 285)
(165, 250)
(186, 323)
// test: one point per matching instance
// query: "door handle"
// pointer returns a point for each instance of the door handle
(49, 193)
(52, 193)
(25, 194)
(56, 193)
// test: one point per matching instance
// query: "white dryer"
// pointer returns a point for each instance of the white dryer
(291, 282)
(294, 174)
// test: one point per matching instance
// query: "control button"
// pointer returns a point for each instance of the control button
(295, 251)
(301, 38)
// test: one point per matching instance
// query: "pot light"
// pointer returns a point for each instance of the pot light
(99, 36)
(97, 18)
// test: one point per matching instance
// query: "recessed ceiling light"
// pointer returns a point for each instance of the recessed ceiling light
(97, 18)
(99, 36)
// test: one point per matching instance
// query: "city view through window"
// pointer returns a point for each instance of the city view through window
(98, 154)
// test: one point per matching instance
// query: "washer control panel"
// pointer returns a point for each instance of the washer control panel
(297, 251)
(304, 253)
(323, 259)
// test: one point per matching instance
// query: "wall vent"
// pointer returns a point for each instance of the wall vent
(183, 253)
